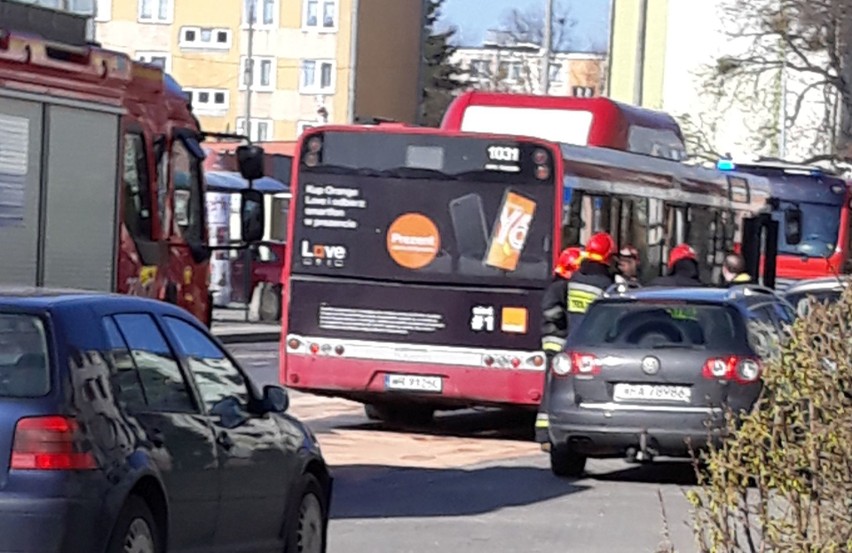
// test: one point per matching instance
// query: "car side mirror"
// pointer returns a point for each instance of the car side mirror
(250, 160)
(275, 399)
(793, 226)
(252, 215)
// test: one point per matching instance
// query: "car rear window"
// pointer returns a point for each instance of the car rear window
(800, 299)
(645, 325)
(23, 356)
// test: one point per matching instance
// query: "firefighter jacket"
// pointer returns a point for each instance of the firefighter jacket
(585, 286)
(554, 321)
(684, 274)
(740, 279)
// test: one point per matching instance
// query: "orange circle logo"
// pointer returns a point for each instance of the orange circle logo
(413, 240)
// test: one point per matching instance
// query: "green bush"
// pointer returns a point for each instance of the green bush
(783, 481)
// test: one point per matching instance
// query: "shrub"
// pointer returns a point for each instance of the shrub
(783, 481)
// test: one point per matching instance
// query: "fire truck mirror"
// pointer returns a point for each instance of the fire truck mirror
(251, 215)
(793, 226)
(250, 161)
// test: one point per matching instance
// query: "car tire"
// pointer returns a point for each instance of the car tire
(399, 414)
(565, 462)
(135, 530)
(270, 303)
(308, 529)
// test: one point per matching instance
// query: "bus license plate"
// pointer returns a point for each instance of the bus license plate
(413, 382)
(628, 392)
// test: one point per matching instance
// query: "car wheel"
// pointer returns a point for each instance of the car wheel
(308, 529)
(565, 462)
(135, 530)
(270, 303)
(399, 414)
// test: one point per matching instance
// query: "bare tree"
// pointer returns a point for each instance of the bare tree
(792, 63)
(527, 26)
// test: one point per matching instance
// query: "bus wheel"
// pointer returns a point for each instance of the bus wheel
(399, 414)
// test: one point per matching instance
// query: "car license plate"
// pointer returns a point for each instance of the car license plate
(413, 382)
(628, 392)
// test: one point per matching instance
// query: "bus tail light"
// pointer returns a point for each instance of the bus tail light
(537, 360)
(540, 156)
(516, 362)
(488, 360)
(315, 348)
(294, 343)
(50, 443)
(339, 350)
(542, 172)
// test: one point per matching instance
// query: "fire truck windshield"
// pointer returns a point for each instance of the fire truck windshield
(427, 208)
(819, 232)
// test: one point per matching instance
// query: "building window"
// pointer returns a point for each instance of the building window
(101, 10)
(261, 129)
(479, 69)
(262, 75)
(317, 77)
(265, 12)
(510, 70)
(583, 91)
(156, 11)
(162, 60)
(205, 37)
(209, 99)
(320, 15)
(556, 72)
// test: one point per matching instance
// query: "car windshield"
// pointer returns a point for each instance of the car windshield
(819, 229)
(644, 325)
(23, 356)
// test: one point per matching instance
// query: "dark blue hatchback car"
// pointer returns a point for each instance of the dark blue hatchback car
(125, 427)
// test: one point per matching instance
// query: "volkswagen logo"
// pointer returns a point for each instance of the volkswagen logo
(650, 365)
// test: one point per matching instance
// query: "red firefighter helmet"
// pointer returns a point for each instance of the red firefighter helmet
(681, 251)
(569, 261)
(600, 247)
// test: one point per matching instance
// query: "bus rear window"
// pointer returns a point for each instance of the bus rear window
(24, 366)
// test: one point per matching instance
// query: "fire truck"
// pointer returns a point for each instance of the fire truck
(101, 183)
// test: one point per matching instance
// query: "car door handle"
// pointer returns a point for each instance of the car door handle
(224, 440)
(157, 438)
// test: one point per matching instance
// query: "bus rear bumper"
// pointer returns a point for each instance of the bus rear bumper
(344, 370)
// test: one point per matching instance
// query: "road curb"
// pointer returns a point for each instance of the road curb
(248, 337)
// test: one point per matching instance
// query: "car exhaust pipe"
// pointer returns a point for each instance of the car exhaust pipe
(643, 454)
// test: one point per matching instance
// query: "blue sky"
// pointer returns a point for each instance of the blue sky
(474, 17)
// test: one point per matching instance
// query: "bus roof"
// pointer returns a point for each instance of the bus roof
(583, 121)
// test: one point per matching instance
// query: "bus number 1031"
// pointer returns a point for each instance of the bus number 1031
(504, 153)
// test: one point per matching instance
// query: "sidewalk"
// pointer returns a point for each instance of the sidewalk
(230, 326)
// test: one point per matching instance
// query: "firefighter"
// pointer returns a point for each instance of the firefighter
(554, 325)
(683, 268)
(628, 266)
(734, 270)
(554, 322)
(592, 279)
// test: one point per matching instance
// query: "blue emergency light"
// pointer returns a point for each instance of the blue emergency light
(725, 165)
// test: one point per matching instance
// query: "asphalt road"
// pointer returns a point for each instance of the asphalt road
(475, 482)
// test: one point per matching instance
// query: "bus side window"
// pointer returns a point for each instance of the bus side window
(633, 230)
(137, 187)
(572, 219)
(657, 240)
(702, 236)
(161, 156)
(189, 203)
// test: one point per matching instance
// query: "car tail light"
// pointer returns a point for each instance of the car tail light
(581, 364)
(744, 370)
(50, 443)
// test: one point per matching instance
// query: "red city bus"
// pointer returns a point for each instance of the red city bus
(419, 257)
(581, 121)
(101, 186)
(812, 207)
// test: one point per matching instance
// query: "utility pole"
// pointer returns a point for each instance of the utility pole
(546, 46)
(249, 71)
(639, 71)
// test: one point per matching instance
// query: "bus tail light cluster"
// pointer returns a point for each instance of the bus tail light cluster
(576, 363)
(542, 169)
(508, 361)
(317, 348)
(743, 370)
(50, 443)
(313, 151)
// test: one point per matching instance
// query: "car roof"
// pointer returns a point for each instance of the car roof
(818, 284)
(49, 299)
(692, 294)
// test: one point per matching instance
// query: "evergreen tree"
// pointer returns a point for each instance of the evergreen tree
(441, 77)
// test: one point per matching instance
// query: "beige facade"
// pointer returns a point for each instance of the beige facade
(308, 55)
(517, 69)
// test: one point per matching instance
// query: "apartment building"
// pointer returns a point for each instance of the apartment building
(314, 61)
(505, 65)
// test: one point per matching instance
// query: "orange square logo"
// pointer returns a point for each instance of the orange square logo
(514, 320)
